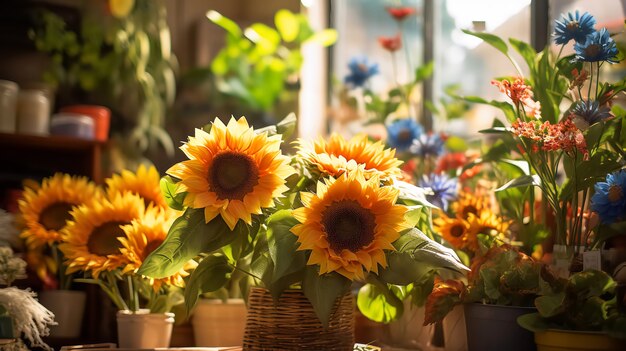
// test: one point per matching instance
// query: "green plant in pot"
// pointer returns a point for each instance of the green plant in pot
(586, 302)
(502, 285)
(257, 69)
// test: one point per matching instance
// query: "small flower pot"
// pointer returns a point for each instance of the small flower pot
(494, 327)
(216, 323)
(571, 340)
(68, 307)
(143, 329)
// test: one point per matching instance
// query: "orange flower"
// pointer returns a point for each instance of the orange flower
(442, 299)
(400, 13)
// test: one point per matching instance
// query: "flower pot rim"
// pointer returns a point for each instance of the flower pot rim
(142, 312)
(216, 301)
(572, 331)
(502, 306)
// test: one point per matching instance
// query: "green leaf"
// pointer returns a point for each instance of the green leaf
(490, 39)
(532, 322)
(505, 107)
(424, 72)
(426, 251)
(212, 273)
(403, 269)
(287, 24)
(519, 164)
(168, 189)
(526, 51)
(550, 305)
(378, 303)
(188, 236)
(324, 291)
(523, 181)
(231, 27)
(325, 37)
(283, 245)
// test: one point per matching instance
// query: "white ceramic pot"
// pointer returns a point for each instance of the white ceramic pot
(143, 329)
(219, 324)
(68, 307)
(454, 331)
(409, 330)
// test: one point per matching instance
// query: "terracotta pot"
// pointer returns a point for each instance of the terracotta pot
(216, 323)
(143, 329)
(68, 307)
(570, 340)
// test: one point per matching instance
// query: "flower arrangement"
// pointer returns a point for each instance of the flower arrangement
(319, 220)
(101, 235)
(582, 141)
(22, 317)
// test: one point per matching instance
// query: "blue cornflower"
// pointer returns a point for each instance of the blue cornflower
(428, 145)
(609, 201)
(599, 46)
(573, 26)
(588, 112)
(402, 133)
(444, 189)
(360, 71)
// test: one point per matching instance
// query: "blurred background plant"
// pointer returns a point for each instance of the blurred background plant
(119, 57)
(257, 70)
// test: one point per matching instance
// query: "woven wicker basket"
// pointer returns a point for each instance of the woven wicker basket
(291, 324)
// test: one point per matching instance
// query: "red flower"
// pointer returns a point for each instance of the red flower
(391, 44)
(451, 161)
(400, 13)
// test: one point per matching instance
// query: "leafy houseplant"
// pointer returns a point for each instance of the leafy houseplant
(586, 301)
(315, 221)
(501, 286)
(258, 64)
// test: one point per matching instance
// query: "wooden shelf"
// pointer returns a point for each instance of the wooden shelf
(23, 156)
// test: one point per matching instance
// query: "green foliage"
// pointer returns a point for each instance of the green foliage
(256, 63)
(380, 303)
(586, 301)
(212, 273)
(323, 291)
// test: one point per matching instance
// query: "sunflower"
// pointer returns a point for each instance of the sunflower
(469, 203)
(46, 208)
(145, 183)
(453, 230)
(487, 223)
(232, 171)
(90, 240)
(337, 155)
(143, 236)
(348, 224)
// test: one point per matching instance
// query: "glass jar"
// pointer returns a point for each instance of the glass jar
(33, 112)
(8, 105)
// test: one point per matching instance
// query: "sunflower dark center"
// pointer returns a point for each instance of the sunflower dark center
(469, 209)
(232, 175)
(457, 230)
(103, 239)
(54, 216)
(615, 193)
(348, 225)
(151, 246)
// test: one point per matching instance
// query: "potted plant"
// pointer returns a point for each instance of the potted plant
(582, 314)
(108, 240)
(45, 209)
(295, 217)
(502, 285)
